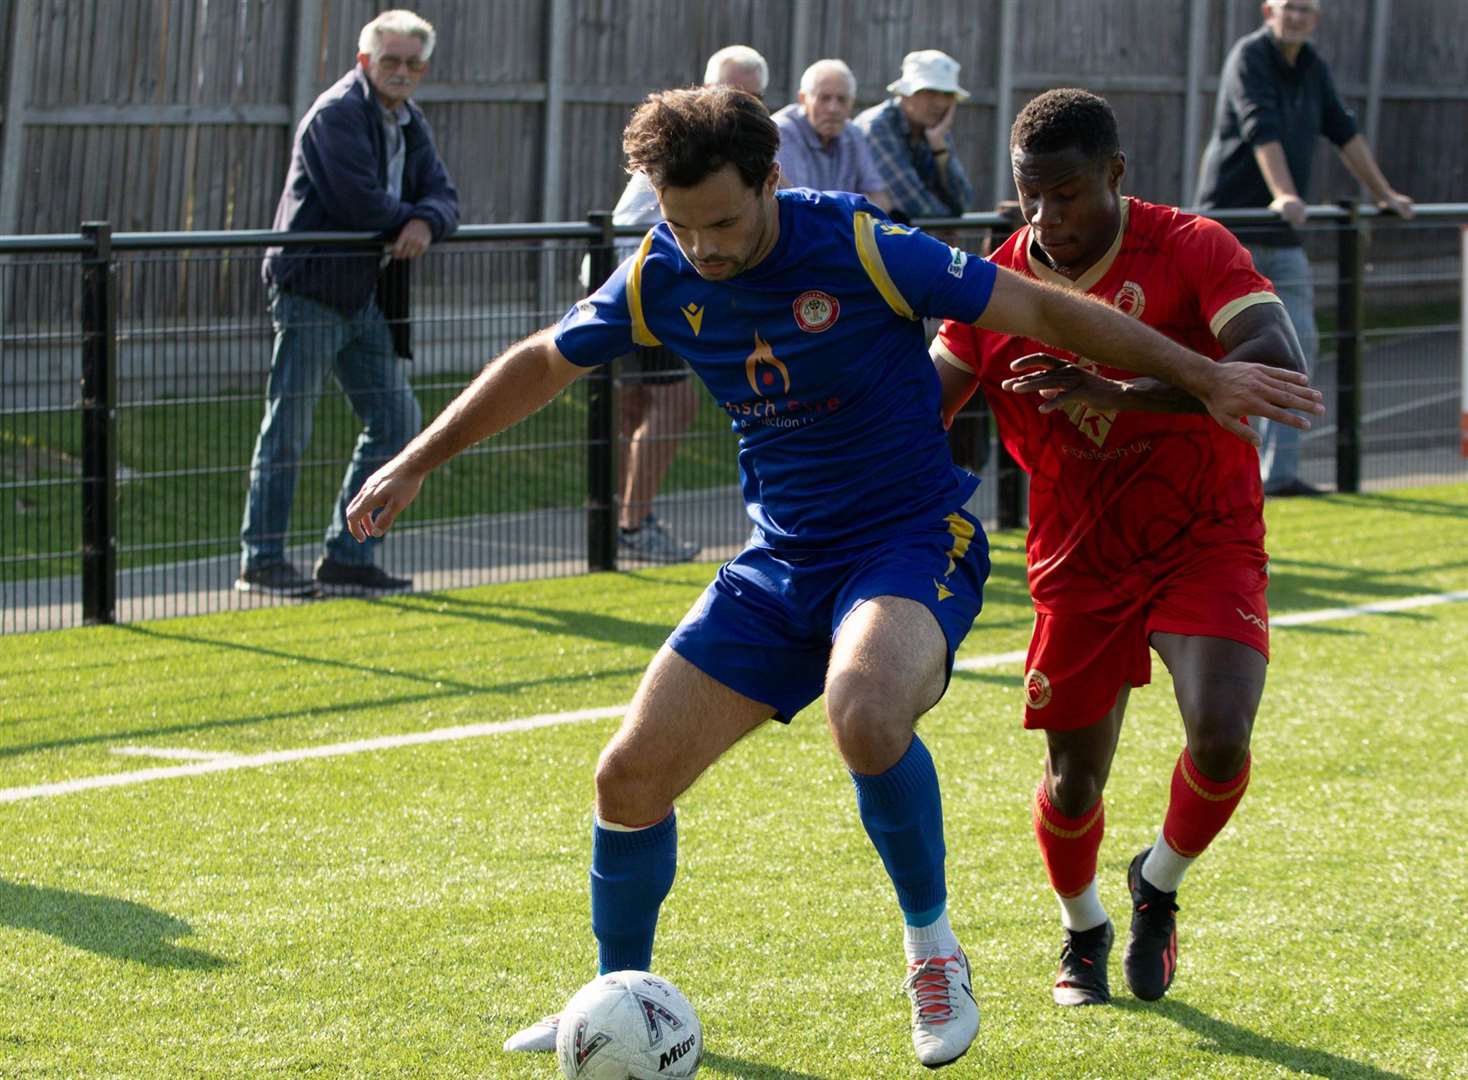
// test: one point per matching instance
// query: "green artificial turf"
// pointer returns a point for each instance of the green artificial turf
(399, 912)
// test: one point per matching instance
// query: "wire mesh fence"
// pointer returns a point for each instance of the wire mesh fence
(126, 445)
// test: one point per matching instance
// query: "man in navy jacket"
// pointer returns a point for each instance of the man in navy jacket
(363, 158)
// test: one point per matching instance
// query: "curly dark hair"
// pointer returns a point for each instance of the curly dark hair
(680, 137)
(1060, 119)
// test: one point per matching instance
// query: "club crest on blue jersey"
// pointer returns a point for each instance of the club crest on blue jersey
(816, 311)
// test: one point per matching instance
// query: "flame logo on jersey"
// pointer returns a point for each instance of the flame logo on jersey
(761, 377)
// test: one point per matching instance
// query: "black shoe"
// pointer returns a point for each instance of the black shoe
(1150, 960)
(275, 579)
(1081, 977)
(1294, 487)
(351, 578)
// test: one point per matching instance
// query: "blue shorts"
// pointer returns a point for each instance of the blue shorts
(765, 625)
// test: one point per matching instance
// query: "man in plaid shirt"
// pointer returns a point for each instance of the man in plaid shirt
(911, 138)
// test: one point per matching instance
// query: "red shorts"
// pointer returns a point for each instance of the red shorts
(1078, 662)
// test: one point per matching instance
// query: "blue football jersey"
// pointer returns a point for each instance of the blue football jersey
(818, 356)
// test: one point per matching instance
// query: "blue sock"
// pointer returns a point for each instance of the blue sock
(903, 814)
(631, 873)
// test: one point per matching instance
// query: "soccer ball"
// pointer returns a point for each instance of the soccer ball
(628, 1025)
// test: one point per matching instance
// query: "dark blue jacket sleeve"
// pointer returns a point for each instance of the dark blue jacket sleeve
(341, 163)
(427, 182)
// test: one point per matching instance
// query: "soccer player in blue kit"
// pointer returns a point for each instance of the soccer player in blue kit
(802, 313)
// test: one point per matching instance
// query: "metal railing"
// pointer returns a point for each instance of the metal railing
(131, 367)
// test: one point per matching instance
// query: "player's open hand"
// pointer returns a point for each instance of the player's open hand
(1062, 383)
(384, 496)
(1238, 390)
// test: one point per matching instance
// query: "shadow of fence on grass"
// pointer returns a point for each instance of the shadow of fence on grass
(104, 925)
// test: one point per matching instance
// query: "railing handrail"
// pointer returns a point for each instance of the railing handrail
(584, 230)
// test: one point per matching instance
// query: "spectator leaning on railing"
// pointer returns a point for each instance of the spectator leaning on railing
(911, 138)
(1275, 98)
(363, 158)
(819, 146)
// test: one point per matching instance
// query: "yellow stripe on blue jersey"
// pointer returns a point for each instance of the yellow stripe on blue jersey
(865, 227)
(640, 333)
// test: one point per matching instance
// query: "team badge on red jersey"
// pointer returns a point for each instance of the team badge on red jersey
(1130, 299)
(1037, 689)
(816, 311)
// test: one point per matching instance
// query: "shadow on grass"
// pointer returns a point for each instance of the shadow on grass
(1225, 1038)
(373, 700)
(104, 925)
(752, 1070)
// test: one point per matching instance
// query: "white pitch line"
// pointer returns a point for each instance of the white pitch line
(229, 763)
(173, 753)
(278, 757)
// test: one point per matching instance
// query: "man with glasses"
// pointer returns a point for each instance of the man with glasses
(1275, 97)
(364, 158)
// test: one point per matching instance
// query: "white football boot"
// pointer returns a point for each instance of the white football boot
(539, 1037)
(945, 1016)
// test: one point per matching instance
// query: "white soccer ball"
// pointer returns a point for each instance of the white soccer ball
(628, 1025)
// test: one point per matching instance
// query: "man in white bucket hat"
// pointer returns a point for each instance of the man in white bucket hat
(911, 138)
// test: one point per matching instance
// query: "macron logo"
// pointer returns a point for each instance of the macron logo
(1251, 618)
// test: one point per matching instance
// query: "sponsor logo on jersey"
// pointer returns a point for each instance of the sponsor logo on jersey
(1094, 424)
(892, 229)
(816, 311)
(1037, 688)
(1250, 617)
(957, 262)
(585, 309)
(694, 314)
(761, 366)
(1130, 299)
(582, 1048)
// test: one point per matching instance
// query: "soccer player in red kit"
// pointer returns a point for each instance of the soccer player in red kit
(1146, 522)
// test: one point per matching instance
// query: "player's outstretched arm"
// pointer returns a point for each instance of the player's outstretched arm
(515, 384)
(1090, 328)
(1261, 334)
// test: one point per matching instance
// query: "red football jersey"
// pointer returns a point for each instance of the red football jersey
(1120, 500)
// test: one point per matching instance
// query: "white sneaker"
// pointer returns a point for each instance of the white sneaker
(945, 1016)
(539, 1037)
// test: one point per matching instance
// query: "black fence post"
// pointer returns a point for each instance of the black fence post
(601, 424)
(1350, 325)
(1009, 494)
(99, 427)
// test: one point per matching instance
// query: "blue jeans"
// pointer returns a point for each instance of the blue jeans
(309, 339)
(1289, 270)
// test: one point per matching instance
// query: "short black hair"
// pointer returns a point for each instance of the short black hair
(681, 137)
(1060, 119)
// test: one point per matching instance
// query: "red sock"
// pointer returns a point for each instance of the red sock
(1068, 845)
(1200, 807)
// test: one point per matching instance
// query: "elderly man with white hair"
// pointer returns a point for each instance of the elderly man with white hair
(658, 401)
(363, 159)
(819, 147)
(911, 138)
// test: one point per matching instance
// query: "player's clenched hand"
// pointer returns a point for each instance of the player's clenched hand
(1062, 383)
(1238, 390)
(384, 496)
